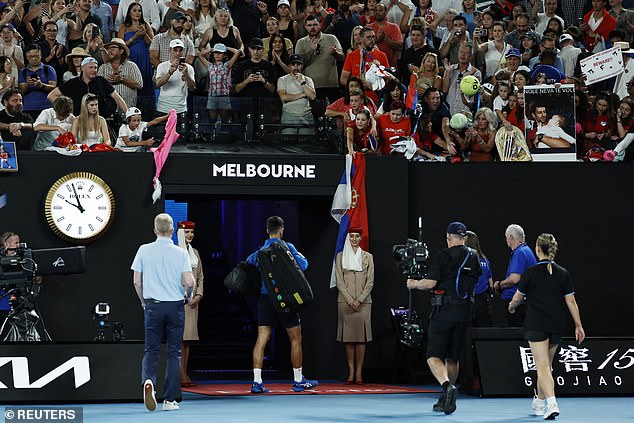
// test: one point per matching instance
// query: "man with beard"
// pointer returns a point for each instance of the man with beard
(13, 121)
(160, 47)
(320, 53)
(295, 91)
(53, 52)
(354, 61)
(388, 35)
(439, 116)
(342, 23)
(89, 82)
(122, 73)
(83, 16)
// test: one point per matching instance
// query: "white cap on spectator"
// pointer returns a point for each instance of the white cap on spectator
(565, 37)
(88, 60)
(220, 48)
(177, 43)
(283, 3)
(131, 112)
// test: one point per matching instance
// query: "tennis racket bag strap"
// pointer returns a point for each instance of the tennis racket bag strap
(283, 279)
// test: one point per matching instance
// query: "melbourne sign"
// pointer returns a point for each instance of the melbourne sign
(264, 170)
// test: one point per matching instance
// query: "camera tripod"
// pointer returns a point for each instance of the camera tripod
(24, 322)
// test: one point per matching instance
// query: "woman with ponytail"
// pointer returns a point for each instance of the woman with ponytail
(547, 288)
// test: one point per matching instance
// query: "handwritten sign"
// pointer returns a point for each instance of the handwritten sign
(603, 65)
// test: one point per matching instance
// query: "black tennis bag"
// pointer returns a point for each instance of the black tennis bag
(283, 279)
(245, 279)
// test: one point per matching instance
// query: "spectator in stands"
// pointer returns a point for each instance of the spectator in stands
(439, 115)
(248, 16)
(73, 63)
(104, 11)
(138, 36)
(356, 43)
(449, 50)
(541, 19)
(529, 47)
(89, 128)
(414, 55)
(517, 9)
(421, 8)
(90, 82)
(342, 24)
(546, 43)
(13, 121)
(123, 74)
(568, 54)
(624, 118)
(83, 16)
(516, 114)
(13, 15)
(10, 49)
(522, 27)
(596, 26)
(277, 54)
(521, 78)
(428, 74)
(204, 11)
(453, 76)
(150, 11)
(296, 90)
(479, 141)
(287, 26)
(92, 42)
(389, 38)
(599, 125)
(52, 51)
(222, 31)
(320, 52)
(32, 22)
(130, 137)
(174, 78)
(501, 94)
(396, 10)
(620, 86)
(35, 81)
(513, 60)
(168, 10)
(367, 16)
(394, 91)
(494, 50)
(361, 134)
(470, 13)
(624, 19)
(546, 65)
(160, 50)
(219, 67)
(368, 57)
(254, 80)
(58, 14)
(349, 106)
(393, 126)
(52, 122)
(7, 80)
(273, 28)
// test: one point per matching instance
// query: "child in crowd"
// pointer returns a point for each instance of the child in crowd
(89, 128)
(130, 137)
(53, 122)
(501, 95)
(219, 67)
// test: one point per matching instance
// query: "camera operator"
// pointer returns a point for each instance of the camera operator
(8, 242)
(451, 277)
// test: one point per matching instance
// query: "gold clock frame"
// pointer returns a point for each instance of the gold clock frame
(61, 181)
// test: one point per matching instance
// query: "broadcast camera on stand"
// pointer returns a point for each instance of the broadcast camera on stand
(412, 259)
(20, 271)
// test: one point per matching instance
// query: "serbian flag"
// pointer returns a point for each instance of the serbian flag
(412, 94)
(349, 206)
(162, 151)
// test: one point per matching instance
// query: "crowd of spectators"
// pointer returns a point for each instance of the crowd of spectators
(74, 66)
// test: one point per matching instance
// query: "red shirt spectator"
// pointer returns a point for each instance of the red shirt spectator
(607, 24)
(388, 35)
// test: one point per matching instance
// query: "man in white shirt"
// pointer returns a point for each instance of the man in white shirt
(52, 122)
(296, 90)
(620, 86)
(441, 7)
(150, 13)
(568, 54)
(541, 19)
(173, 78)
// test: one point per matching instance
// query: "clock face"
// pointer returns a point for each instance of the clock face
(79, 207)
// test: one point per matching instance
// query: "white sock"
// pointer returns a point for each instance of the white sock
(551, 400)
(297, 374)
(540, 401)
(257, 375)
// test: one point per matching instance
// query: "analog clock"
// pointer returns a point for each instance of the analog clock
(79, 207)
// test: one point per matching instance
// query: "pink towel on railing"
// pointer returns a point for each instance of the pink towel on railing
(162, 151)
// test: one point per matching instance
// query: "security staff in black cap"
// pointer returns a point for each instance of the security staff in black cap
(452, 275)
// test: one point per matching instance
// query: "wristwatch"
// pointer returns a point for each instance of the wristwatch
(540, 137)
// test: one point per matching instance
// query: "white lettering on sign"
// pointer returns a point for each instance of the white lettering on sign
(22, 379)
(251, 170)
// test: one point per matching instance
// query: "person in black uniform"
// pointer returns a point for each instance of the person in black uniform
(452, 275)
(547, 288)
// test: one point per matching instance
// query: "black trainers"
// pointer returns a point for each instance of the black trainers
(450, 399)
(439, 407)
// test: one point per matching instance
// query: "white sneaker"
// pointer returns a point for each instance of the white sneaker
(170, 405)
(539, 406)
(148, 395)
(552, 411)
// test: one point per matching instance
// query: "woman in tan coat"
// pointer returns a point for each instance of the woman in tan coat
(355, 279)
(185, 236)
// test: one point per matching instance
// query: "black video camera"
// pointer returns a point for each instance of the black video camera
(412, 258)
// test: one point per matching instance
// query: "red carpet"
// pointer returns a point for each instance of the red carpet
(285, 389)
